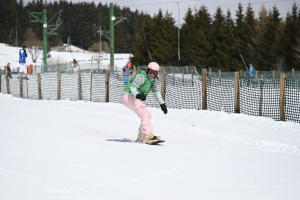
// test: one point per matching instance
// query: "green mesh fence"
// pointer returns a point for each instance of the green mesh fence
(220, 94)
(292, 100)
(260, 97)
(183, 93)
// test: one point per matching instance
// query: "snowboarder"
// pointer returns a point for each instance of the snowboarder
(135, 92)
(22, 61)
(126, 72)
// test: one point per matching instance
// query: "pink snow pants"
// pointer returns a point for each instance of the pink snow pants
(140, 109)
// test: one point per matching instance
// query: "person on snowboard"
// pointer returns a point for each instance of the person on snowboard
(135, 92)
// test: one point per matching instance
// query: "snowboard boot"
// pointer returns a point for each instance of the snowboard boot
(152, 139)
(147, 140)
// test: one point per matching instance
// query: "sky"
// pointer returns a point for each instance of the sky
(87, 150)
(179, 8)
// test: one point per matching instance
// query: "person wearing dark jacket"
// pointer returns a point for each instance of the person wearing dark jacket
(8, 70)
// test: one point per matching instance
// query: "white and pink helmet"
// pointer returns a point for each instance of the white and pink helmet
(154, 66)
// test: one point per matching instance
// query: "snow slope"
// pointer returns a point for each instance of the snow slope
(86, 150)
(11, 54)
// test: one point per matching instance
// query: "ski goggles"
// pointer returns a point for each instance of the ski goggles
(151, 71)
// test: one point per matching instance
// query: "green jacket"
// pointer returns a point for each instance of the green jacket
(142, 84)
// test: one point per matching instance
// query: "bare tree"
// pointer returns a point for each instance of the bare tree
(56, 63)
(97, 54)
(280, 65)
(34, 48)
(34, 45)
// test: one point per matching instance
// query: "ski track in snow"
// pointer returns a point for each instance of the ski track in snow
(238, 141)
(264, 145)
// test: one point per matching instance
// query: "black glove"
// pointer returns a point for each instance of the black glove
(164, 108)
(141, 97)
(123, 70)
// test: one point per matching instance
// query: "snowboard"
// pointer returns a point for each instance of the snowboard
(153, 143)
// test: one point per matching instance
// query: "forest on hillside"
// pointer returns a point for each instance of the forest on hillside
(226, 41)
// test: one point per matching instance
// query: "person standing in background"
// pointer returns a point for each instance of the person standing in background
(22, 61)
(75, 65)
(126, 72)
(251, 70)
(8, 70)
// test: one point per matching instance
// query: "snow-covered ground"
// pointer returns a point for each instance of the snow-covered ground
(84, 58)
(86, 150)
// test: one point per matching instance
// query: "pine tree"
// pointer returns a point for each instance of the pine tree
(194, 52)
(234, 63)
(269, 41)
(163, 40)
(140, 50)
(220, 50)
(249, 32)
(203, 38)
(240, 37)
(289, 39)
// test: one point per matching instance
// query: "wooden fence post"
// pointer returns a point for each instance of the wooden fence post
(282, 97)
(163, 85)
(293, 74)
(39, 86)
(204, 90)
(261, 88)
(256, 74)
(21, 84)
(236, 93)
(7, 81)
(134, 71)
(107, 85)
(79, 86)
(58, 85)
(0, 79)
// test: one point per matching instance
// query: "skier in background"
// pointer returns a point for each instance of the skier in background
(22, 61)
(75, 65)
(251, 70)
(126, 72)
(135, 92)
